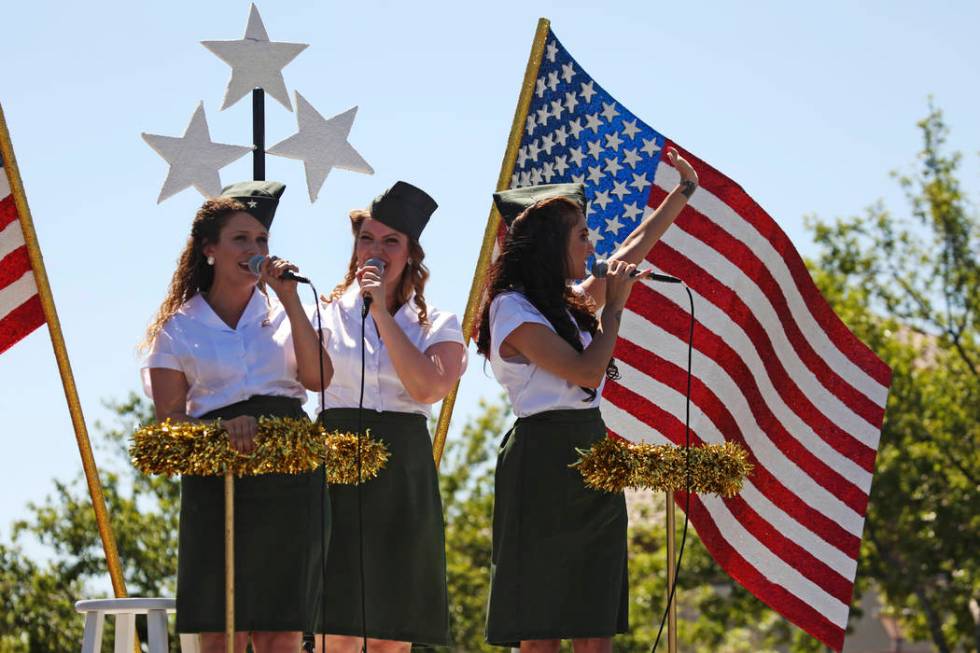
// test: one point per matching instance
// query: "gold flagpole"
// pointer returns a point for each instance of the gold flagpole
(61, 355)
(493, 222)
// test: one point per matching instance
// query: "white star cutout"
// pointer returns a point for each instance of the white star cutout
(620, 190)
(613, 141)
(630, 128)
(547, 143)
(650, 146)
(613, 225)
(577, 155)
(593, 122)
(570, 101)
(612, 166)
(609, 111)
(194, 158)
(256, 62)
(595, 149)
(530, 124)
(553, 80)
(630, 157)
(595, 175)
(557, 109)
(561, 136)
(321, 145)
(631, 211)
(560, 165)
(602, 199)
(552, 52)
(575, 126)
(539, 87)
(588, 91)
(639, 181)
(567, 72)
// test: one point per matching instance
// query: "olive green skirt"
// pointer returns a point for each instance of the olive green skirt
(281, 522)
(404, 547)
(558, 566)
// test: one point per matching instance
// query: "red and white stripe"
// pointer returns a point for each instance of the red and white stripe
(774, 370)
(20, 304)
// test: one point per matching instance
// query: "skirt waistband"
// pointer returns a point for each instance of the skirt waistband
(564, 415)
(372, 416)
(273, 405)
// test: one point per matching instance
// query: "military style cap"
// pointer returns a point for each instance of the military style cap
(511, 203)
(259, 197)
(405, 208)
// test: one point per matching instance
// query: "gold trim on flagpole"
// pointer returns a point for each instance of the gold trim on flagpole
(64, 365)
(671, 561)
(493, 222)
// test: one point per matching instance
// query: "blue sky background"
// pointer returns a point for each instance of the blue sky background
(808, 106)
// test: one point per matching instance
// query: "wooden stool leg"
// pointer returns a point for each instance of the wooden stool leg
(92, 640)
(125, 633)
(156, 625)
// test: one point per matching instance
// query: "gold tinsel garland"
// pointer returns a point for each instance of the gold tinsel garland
(612, 465)
(284, 445)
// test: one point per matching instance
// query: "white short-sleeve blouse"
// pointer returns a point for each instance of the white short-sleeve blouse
(224, 365)
(531, 389)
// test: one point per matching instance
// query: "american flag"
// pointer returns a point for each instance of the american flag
(774, 368)
(20, 304)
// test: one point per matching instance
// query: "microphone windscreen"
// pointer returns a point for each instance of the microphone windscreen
(255, 264)
(599, 269)
(377, 263)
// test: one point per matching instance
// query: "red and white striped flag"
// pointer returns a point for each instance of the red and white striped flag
(774, 368)
(20, 304)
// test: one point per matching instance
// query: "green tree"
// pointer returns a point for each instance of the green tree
(909, 286)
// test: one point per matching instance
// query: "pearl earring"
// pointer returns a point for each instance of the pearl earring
(210, 260)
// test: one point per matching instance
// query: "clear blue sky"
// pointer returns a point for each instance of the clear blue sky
(807, 105)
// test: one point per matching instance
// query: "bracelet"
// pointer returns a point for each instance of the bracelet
(687, 188)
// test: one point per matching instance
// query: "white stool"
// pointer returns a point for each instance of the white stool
(125, 611)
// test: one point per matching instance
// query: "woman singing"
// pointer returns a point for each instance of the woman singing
(223, 347)
(413, 354)
(559, 548)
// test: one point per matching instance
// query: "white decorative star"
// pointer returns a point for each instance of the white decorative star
(560, 165)
(570, 101)
(613, 141)
(650, 146)
(613, 224)
(595, 175)
(557, 109)
(577, 155)
(539, 87)
(256, 62)
(553, 80)
(252, 204)
(620, 190)
(552, 52)
(575, 126)
(567, 72)
(612, 166)
(561, 135)
(588, 91)
(609, 111)
(602, 199)
(630, 128)
(630, 157)
(322, 145)
(632, 210)
(592, 122)
(531, 124)
(194, 158)
(639, 181)
(595, 149)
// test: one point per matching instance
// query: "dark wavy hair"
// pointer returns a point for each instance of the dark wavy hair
(534, 262)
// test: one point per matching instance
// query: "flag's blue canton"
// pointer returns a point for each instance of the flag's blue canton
(576, 132)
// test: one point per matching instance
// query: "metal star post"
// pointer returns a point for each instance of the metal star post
(256, 66)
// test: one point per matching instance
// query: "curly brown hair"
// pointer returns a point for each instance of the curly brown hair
(193, 274)
(413, 276)
(534, 262)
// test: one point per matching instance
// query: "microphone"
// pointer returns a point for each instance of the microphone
(601, 268)
(376, 263)
(255, 265)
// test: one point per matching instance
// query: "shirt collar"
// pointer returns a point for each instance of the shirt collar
(197, 308)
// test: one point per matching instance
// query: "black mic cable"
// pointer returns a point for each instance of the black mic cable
(687, 468)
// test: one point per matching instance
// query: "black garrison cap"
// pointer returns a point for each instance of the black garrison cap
(259, 197)
(511, 203)
(405, 208)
